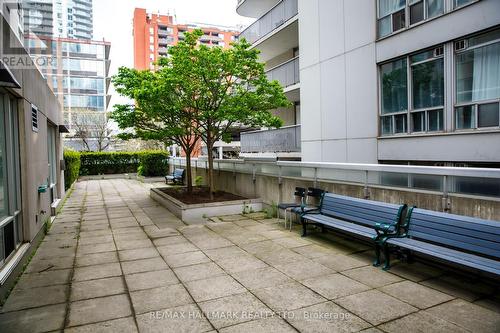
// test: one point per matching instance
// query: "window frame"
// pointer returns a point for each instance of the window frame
(409, 86)
(475, 104)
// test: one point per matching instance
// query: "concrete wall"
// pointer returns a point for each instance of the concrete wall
(339, 57)
(270, 190)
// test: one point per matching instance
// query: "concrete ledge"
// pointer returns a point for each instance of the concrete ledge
(200, 212)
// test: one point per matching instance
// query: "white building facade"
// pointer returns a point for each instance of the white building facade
(389, 81)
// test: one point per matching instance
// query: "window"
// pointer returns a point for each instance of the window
(10, 199)
(417, 100)
(392, 14)
(477, 81)
(460, 3)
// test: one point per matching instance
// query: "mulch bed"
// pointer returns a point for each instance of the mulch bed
(200, 195)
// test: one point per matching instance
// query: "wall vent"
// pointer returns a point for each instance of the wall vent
(34, 118)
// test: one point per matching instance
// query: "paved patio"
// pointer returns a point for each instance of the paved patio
(115, 261)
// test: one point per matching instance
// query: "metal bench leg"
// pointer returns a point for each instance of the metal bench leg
(387, 258)
(304, 229)
(376, 263)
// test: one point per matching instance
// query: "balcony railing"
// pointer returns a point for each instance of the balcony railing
(287, 73)
(281, 140)
(276, 17)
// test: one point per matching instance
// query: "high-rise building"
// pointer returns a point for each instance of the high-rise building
(59, 18)
(155, 33)
(385, 81)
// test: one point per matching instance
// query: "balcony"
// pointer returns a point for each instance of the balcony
(281, 140)
(273, 19)
(287, 73)
(254, 8)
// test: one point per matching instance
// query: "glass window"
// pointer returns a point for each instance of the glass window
(387, 125)
(488, 115)
(465, 117)
(400, 123)
(458, 3)
(386, 7)
(417, 12)
(436, 120)
(434, 8)
(428, 84)
(3, 169)
(418, 121)
(394, 86)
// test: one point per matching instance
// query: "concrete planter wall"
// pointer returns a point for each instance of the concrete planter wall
(199, 212)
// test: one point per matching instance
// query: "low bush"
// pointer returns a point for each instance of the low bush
(147, 163)
(72, 162)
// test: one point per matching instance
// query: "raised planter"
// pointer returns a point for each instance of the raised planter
(197, 213)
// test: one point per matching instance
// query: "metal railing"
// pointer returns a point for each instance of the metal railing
(474, 182)
(273, 19)
(287, 73)
(285, 139)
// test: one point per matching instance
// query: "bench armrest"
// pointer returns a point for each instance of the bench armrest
(385, 230)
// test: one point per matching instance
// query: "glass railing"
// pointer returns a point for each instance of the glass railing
(285, 139)
(273, 19)
(287, 73)
(476, 182)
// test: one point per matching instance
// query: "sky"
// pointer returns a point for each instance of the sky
(113, 23)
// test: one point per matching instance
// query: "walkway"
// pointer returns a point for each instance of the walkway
(115, 261)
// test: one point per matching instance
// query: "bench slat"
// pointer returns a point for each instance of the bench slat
(456, 220)
(367, 211)
(455, 230)
(362, 214)
(342, 225)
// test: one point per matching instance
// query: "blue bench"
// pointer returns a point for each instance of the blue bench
(460, 240)
(177, 177)
(358, 217)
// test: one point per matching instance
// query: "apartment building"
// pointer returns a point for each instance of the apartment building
(59, 18)
(31, 176)
(155, 33)
(383, 81)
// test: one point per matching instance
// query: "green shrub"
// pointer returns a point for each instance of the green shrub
(198, 181)
(72, 161)
(153, 163)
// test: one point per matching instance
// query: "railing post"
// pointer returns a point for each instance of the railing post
(254, 173)
(234, 169)
(366, 190)
(315, 177)
(445, 201)
(279, 175)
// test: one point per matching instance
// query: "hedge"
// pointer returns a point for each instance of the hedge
(72, 161)
(147, 163)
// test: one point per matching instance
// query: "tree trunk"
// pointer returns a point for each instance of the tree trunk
(189, 174)
(211, 183)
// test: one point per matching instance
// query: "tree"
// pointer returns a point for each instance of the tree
(230, 88)
(160, 111)
(93, 128)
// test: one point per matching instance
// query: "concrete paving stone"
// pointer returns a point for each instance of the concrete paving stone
(198, 272)
(208, 243)
(92, 222)
(260, 247)
(177, 249)
(284, 256)
(169, 240)
(225, 227)
(261, 278)
(313, 251)
(94, 227)
(469, 316)
(128, 230)
(335, 285)
(97, 272)
(95, 240)
(47, 318)
(241, 263)
(416, 294)
(256, 215)
(99, 309)
(96, 259)
(120, 220)
(128, 255)
(35, 297)
(372, 330)
(233, 309)
(148, 280)
(340, 262)
(288, 297)
(420, 322)
(225, 253)
(326, 317)
(144, 265)
(245, 238)
(49, 278)
(121, 225)
(111, 326)
(305, 269)
(186, 259)
(95, 248)
(291, 242)
(260, 228)
(44, 265)
(232, 218)
(246, 223)
(97, 288)
(48, 253)
(136, 235)
(63, 243)
(154, 232)
(133, 244)
(214, 287)
(272, 324)
(274, 234)
(375, 307)
(160, 298)
(182, 319)
(415, 272)
(490, 304)
(95, 233)
(372, 276)
(460, 286)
